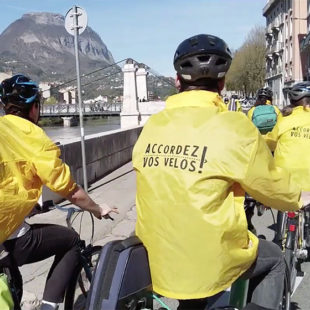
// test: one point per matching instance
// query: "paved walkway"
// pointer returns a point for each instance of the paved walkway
(117, 189)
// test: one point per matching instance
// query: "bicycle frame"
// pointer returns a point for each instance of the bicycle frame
(296, 233)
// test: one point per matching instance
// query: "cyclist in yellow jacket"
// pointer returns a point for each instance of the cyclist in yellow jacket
(290, 138)
(264, 97)
(29, 160)
(233, 105)
(194, 161)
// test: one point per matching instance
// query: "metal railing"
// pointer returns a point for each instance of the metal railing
(88, 109)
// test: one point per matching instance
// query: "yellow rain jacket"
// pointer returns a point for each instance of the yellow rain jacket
(290, 139)
(234, 105)
(194, 160)
(28, 159)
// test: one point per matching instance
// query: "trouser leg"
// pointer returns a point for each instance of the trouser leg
(267, 274)
(44, 241)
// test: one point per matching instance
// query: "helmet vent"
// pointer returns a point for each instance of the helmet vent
(204, 58)
(221, 61)
(186, 64)
(194, 41)
(211, 42)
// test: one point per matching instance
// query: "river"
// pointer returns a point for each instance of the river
(65, 134)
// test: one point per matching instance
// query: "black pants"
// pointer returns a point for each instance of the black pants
(267, 277)
(40, 242)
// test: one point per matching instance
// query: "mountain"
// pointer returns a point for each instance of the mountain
(39, 45)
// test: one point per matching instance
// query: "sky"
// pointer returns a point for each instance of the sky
(149, 31)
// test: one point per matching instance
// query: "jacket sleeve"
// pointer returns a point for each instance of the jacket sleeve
(52, 171)
(250, 113)
(271, 137)
(267, 183)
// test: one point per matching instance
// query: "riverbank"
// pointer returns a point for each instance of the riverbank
(61, 134)
(50, 121)
(58, 121)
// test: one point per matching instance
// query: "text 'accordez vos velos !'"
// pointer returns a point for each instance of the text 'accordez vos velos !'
(185, 157)
(300, 132)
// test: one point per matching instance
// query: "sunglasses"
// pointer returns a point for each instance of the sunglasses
(27, 90)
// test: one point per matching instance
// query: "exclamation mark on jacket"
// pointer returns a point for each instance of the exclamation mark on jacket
(203, 156)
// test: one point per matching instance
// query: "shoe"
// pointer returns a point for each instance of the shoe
(45, 306)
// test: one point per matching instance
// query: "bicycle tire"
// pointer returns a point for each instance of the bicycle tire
(291, 261)
(76, 293)
(286, 298)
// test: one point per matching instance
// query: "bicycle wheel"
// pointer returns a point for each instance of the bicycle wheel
(286, 298)
(291, 261)
(79, 286)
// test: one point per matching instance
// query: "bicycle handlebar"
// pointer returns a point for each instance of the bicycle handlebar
(49, 205)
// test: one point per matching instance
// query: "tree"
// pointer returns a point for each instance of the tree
(50, 100)
(247, 71)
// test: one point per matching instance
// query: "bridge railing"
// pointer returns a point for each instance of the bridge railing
(63, 108)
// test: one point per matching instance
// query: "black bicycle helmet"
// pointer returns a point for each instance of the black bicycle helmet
(19, 90)
(202, 56)
(265, 92)
(299, 91)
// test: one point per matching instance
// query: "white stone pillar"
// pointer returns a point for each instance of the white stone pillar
(141, 84)
(73, 96)
(67, 97)
(67, 121)
(130, 113)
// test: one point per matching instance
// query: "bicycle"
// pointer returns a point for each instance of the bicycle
(123, 281)
(295, 236)
(76, 293)
(249, 205)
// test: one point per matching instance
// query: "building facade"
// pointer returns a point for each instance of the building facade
(305, 48)
(286, 27)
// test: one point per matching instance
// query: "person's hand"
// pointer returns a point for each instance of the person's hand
(104, 211)
(305, 197)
